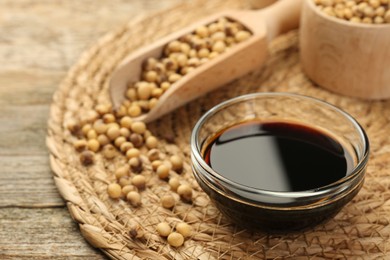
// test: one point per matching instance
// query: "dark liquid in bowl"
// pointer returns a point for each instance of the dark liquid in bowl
(277, 156)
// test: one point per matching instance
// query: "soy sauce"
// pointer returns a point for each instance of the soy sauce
(277, 156)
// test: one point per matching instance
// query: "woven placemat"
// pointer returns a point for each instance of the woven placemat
(360, 230)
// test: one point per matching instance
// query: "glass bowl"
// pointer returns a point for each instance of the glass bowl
(275, 210)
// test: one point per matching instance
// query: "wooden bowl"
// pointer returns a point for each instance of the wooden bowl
(346, 58)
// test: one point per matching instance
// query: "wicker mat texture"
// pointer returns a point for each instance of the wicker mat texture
(360, 230)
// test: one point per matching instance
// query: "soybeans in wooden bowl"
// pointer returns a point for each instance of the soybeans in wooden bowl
(345, 46)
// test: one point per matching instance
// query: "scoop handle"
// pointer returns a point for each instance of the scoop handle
(279, 17)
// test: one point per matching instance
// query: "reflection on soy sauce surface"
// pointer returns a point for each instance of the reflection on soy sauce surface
(277, 156)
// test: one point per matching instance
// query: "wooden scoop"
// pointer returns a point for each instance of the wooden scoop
(264, 24)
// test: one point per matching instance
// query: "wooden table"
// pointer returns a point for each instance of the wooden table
(39, 42)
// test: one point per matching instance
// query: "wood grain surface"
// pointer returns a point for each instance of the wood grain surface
(39, 42)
